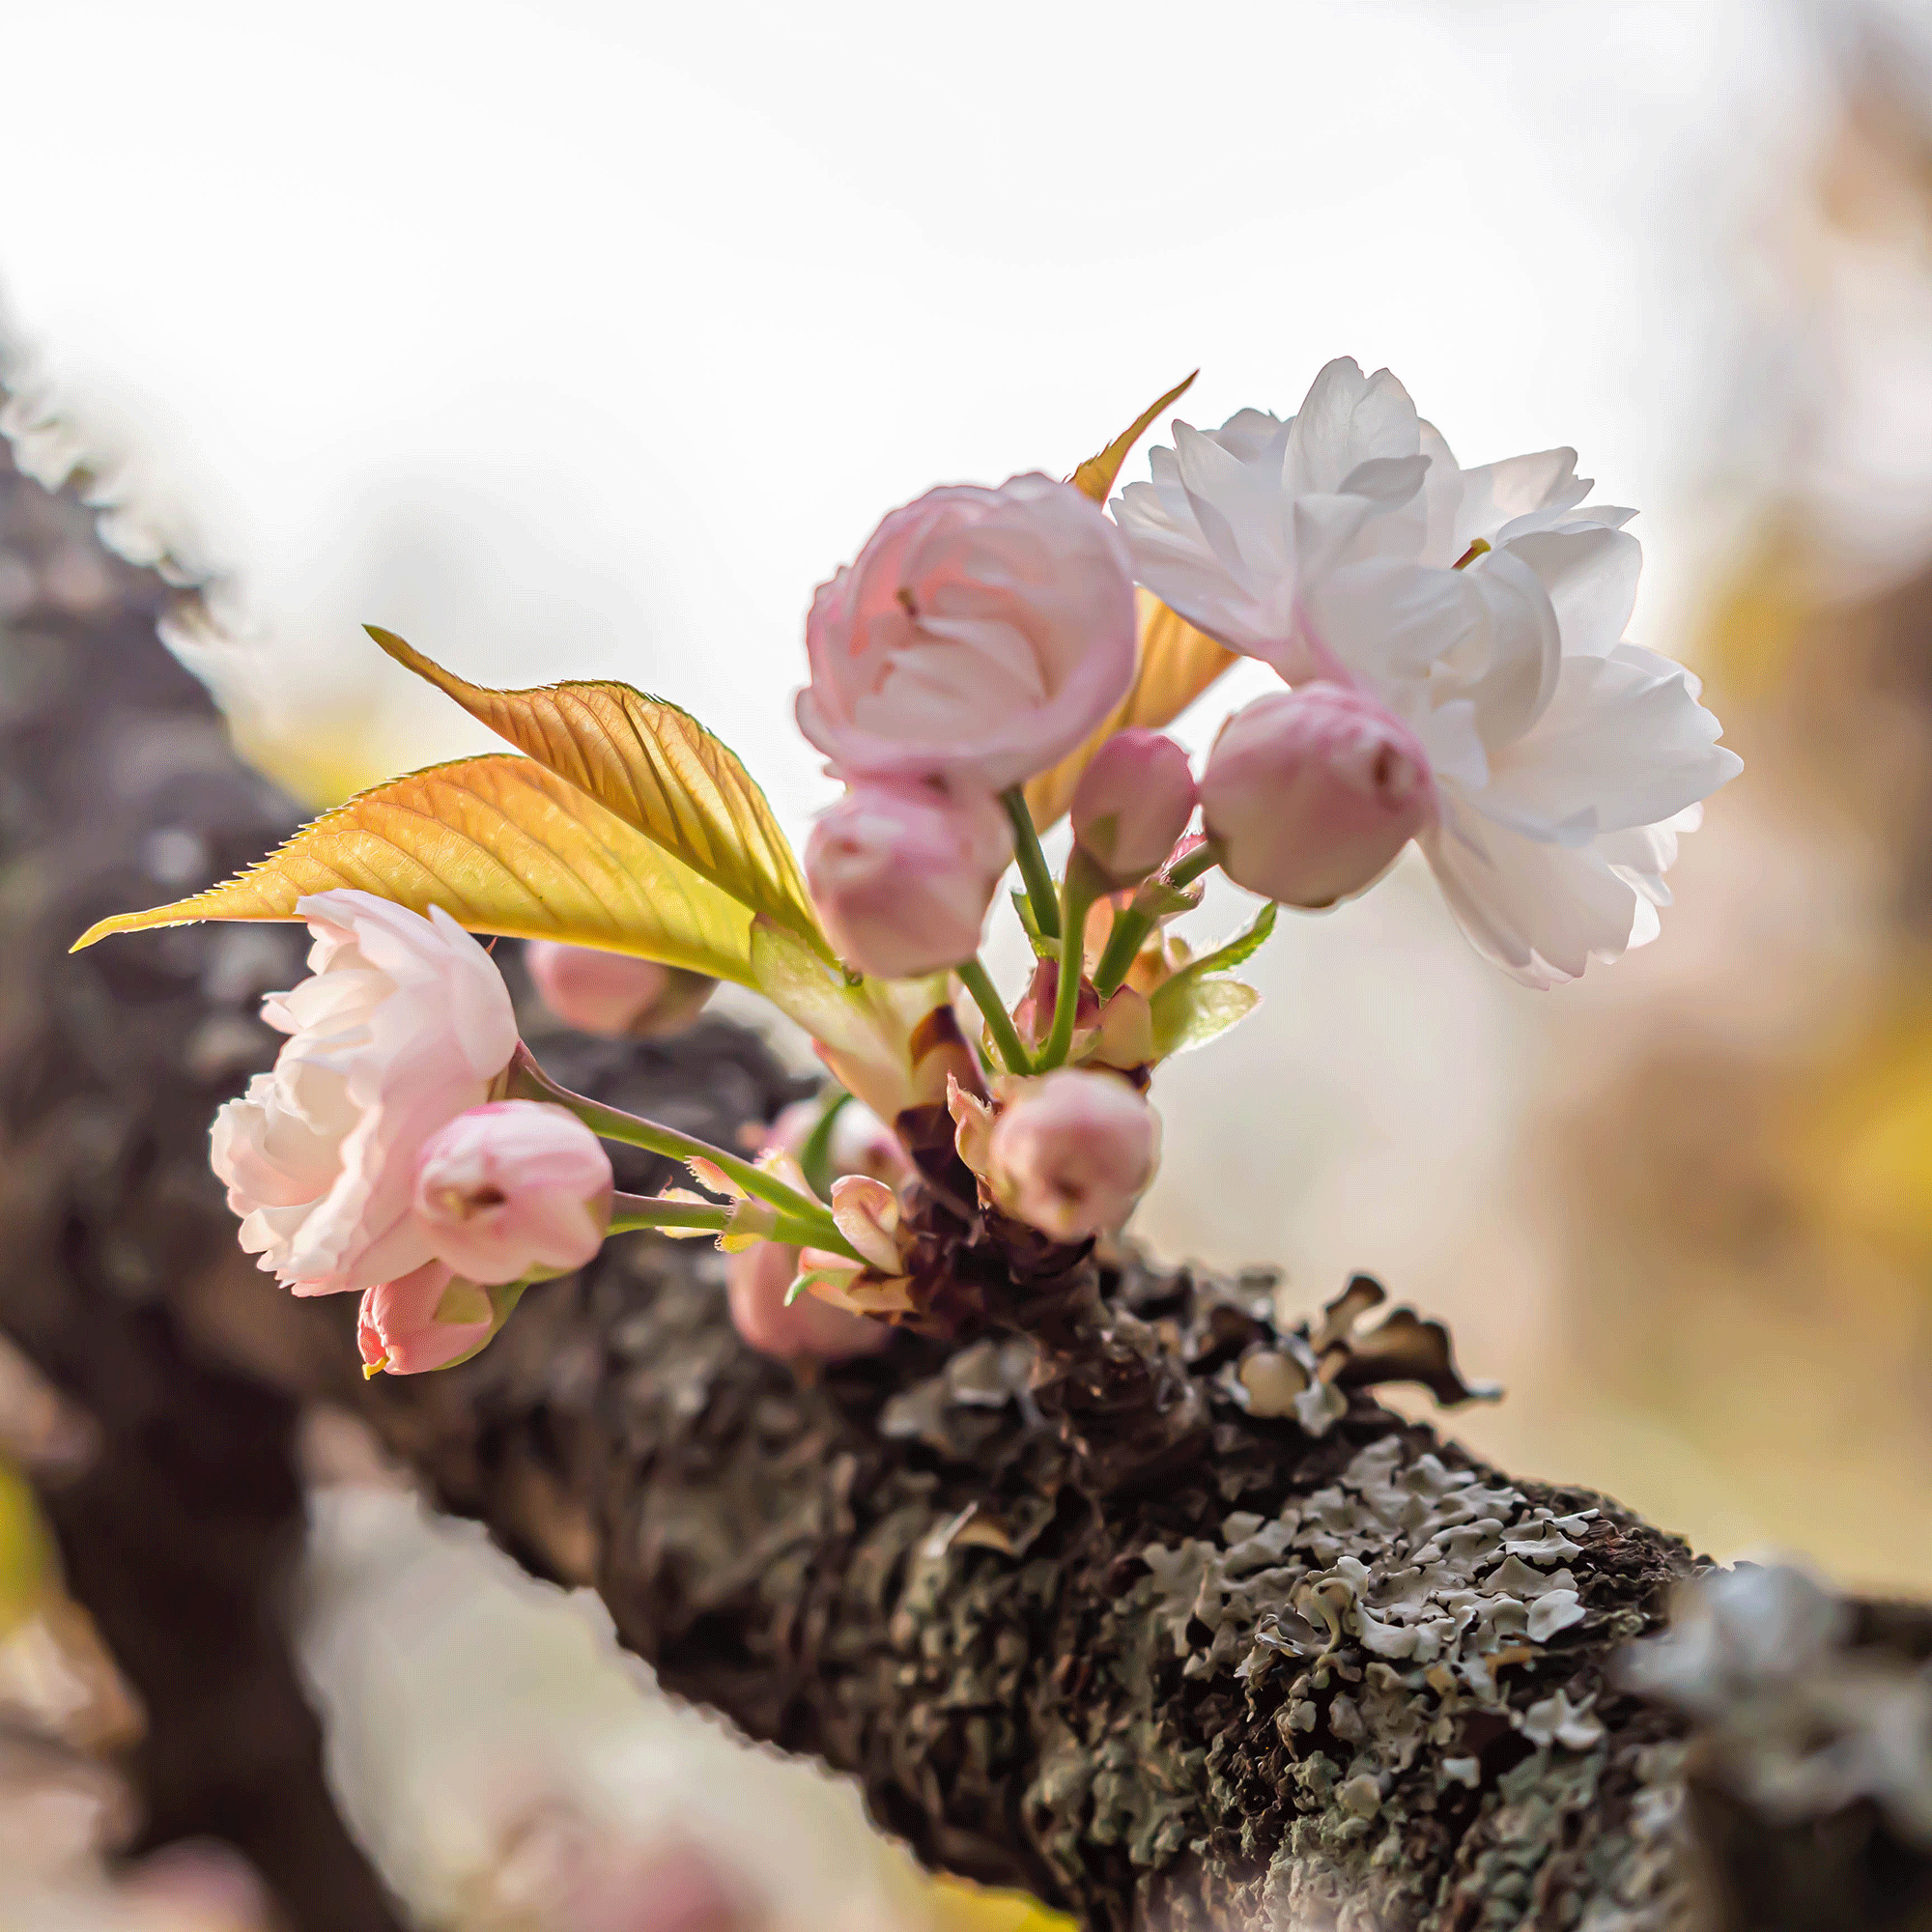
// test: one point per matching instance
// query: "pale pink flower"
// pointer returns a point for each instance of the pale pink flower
(611, 993)
(514, 1188)
(1132, 804)
(1071, 1153)
(903, 875)
(424, 1319)
(979, 637)
(403, 1024)
(1310, 794)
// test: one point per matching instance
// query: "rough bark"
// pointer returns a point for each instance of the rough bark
(1075, 1612)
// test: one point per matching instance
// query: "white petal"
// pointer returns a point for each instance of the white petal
(1541, 912)
(1591, 578)
(1617, 747)
(1344, 419)
(1384, 622)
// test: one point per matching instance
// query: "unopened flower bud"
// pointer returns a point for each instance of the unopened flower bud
(1132, 803)
(1070, 1154)
(861, 1142)
(903, 875)
(1310, 794)
(757, 1283)
(426, 1320)
(611, 993)
(513, 1188)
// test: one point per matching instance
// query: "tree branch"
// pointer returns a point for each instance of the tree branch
(1138, 1598)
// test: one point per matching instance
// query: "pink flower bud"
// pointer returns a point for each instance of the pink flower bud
(1132, 803)
(861, 1142)
(423, 1320)
(513, 1188)
(613, 994)
(1070, 1154)
(903, 875)
(757, 1281)
(1312, 793)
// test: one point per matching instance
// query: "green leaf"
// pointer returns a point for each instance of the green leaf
(1242, 948)
(657, 767)
(1190, 1012)
(502, 845)
(1196, 1005)
(1043, 948)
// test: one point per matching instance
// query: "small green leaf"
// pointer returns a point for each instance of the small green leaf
(814, 1157)
(1196, 1005)
(1190, 1012)
(1243, 947)
(1042, 947)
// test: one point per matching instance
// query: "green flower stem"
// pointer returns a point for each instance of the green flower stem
(1132, 926)
(1033, 869)
(1083, 887)
(1202, 858)
(630, 1212)
(530, 1082)
(1123, 943)
(986, 997)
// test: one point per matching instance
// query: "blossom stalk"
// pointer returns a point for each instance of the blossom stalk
(977, 982)
(1034, 871)
(1084, 886)
(528, 1081)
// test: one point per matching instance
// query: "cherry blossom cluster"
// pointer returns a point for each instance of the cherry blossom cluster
(1453, 672)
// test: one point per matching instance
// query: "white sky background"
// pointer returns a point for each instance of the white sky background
(586, 338)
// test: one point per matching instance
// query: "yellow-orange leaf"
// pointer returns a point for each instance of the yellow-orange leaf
(1096, 476)
(502, 845)
(1176, 664)
(655, 767)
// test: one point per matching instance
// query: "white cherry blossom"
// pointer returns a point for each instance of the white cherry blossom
(1485, 610)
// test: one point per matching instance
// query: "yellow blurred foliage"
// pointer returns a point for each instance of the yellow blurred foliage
(27, 1573)
(961, 1905)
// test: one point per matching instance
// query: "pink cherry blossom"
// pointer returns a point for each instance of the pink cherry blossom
(979, 637)
(1071, 1153)
(404, 1023)
(611, 993)
(1310, 794)
(1132, 804)
(513, 1188)
(422, 1321)
(903, 875)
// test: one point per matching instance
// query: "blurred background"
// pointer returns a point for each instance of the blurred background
(578, 338)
